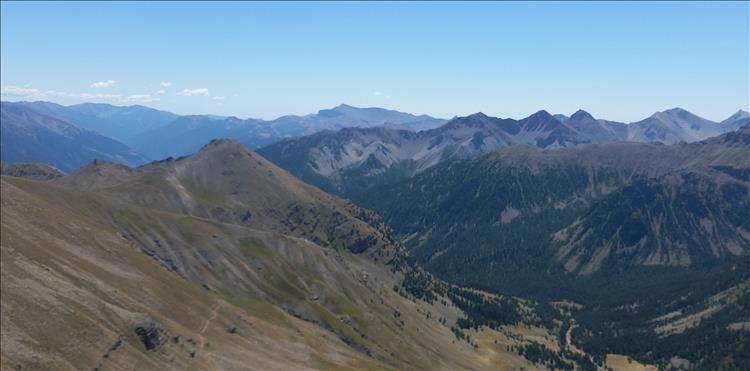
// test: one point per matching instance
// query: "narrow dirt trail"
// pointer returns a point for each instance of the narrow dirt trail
(204, 328)
(214, 314)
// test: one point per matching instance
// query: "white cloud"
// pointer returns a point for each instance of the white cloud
(95, 96)
(140, 98)
(17, 91)
(165, 84)
(84, 96)
(161, 91)
(103, 84)
(196, 91)
(27, 93)
(218, 98)
(33, 93)
(381, 94)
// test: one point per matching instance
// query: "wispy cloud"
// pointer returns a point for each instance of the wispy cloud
(11, 91)
(161, 91)
(378, 93)
(20, 92)
(165, 84)
(218, 98)
(140, 98)
(196, 91)
(85, 96)
(103, 84)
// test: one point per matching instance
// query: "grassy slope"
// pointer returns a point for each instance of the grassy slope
(72, 254)
(71, 286)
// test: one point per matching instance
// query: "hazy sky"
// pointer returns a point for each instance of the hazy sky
(620, 61)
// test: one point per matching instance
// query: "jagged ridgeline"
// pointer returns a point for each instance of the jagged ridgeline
(630, 231)
(221, 260)
(352, 160)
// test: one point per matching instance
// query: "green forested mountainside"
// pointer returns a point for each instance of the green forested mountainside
(660, 205)
(718, 340)
(554, 211)
(631, 232)
(681, 219)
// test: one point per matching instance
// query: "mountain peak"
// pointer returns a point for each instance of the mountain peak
(477, 115)
(737, 120)
(542, 114)
(683, 116)
(581, 115)
(677, 111)
(223, 143)
(738, 115)
(540, 121)
(475, 119)
(343, 107)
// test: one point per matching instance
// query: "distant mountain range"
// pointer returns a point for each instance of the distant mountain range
(325, 148)
(145, 129)
(188, 133)
(31, 136)
(351, 160)
(119, 123)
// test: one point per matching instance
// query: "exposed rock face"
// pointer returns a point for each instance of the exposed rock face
(152, 337)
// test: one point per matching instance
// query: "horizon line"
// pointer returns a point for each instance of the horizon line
(740, 110)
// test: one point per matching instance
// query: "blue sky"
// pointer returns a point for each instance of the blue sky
(621, 61)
